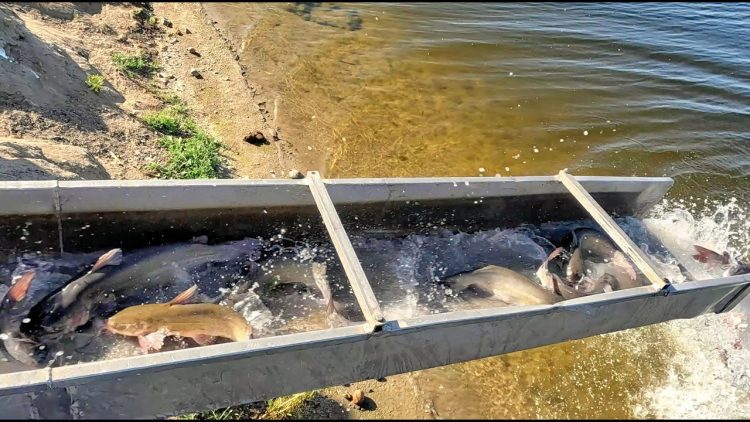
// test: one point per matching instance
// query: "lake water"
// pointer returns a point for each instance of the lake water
(376, 90)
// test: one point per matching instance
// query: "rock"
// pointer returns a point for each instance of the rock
(256, 138)
(187, 30)
(192, 50)
(358, 397)
(296, 174)
(167, 22)
(196, 73)
(383, 379)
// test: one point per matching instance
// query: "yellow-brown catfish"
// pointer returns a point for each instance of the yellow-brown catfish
(202, 322)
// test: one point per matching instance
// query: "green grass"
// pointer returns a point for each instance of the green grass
(95, 82)
(194, 157)
(134, 64)
(287, 407)
(173, 120)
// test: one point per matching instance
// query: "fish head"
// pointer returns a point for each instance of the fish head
(129, 322)
(58, 319)
(608, 280)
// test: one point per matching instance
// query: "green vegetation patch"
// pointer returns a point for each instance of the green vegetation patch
(134, 64)
(173, 120)
(95, 82)
(194, 157)
(287, 407)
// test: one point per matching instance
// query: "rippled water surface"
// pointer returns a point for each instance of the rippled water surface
(444, 89)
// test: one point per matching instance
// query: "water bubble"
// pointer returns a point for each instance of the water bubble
(585, 132)
(507, 169)
(562, 140)
(26, 320)
(510, 73)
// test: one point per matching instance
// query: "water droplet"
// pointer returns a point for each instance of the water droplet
(26, 320)
(585, 132)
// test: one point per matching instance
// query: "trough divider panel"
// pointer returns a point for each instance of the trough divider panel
(58, 213)
(611, 228)
(353, 268)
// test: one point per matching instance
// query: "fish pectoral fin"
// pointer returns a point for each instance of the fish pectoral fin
(184, 296)
(18, 291)
(203, 339)
(555, 253)
(151, 341)
(113, 257)
(621, 260)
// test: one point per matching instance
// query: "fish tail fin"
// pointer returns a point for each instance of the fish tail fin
(707, 256)
(184, 296)
(113, 257)
(18, 291)
(321, 280)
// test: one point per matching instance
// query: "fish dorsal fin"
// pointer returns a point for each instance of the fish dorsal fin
(18, 291)
(184, 296)
(113, 257)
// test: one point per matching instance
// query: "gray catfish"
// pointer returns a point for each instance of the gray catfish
(35, 277)
(503, 285)
(595, 257)
(586, 279)
(729, 264)
(147, 275)
(595, 247)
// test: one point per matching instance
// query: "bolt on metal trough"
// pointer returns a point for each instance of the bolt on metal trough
(176, 382)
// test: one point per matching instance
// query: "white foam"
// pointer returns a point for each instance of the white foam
(709, 375)
(2, 54)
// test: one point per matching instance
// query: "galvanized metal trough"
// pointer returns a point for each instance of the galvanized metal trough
(86, 215)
